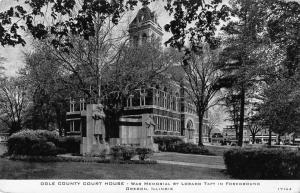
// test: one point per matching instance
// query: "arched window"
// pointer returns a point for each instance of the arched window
(189, 125)
(135, 40)
(152, 37)
(144, 37)
(190, 128)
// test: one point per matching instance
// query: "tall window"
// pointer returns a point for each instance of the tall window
(129, 101)
(135, 40)
(143, 97)
(75, 126)
(144, 38)
(149, 97)
(157, 98)
(136, 99)
(72, 106)
(82, 105)
(190, 127)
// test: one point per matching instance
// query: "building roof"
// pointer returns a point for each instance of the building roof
(144, 15)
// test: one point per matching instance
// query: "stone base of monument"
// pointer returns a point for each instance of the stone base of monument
(101, 149)
(148, 143)
(154, 147)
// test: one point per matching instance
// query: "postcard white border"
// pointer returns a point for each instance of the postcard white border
(150, 186)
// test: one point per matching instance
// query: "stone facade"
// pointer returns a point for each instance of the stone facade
(3, 142)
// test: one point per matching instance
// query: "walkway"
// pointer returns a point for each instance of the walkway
(215, 162)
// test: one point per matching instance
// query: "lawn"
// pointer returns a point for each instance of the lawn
(79, 170)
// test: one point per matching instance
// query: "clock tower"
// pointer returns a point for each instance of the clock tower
(144, 27)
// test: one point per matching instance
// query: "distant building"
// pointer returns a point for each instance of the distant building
(229, 134)
(166, 105)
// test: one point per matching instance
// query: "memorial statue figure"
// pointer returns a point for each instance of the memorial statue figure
(99, 127)
(150, 124)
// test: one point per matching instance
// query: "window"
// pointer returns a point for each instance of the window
(75, 125)
(189, 125)
(129, 102)
(149, 97)
(168, 101)
(136, 99)
(153, 37)
(156, 122)
(72, 106)
(135, 40)
(82, 105)
(157, 101)
(164, 100)
(144, 37)
(168, 125)
(143, 97)
(174, 103)
(191, 134)
(160, 123)
(161, 99)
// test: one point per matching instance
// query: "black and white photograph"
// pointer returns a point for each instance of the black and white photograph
(150, 96)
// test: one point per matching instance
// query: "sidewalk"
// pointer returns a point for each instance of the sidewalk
(215, 162)
(191, 164)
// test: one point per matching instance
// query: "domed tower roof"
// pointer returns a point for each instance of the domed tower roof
(144, 27)
(144, 15)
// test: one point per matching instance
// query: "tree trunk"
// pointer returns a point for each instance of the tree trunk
(270, 138)
(200, 115)
(242, 111)
(278, 139)
(236, 131)
(253, 138)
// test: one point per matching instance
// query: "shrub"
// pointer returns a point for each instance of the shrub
(70, 144)
(44, 149)
(191, 148)
(262, 163)
(33, 142)
(122, 152)
(34, 158)
(144, 153)
(167, 143)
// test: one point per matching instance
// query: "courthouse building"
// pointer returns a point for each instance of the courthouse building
(165, 105)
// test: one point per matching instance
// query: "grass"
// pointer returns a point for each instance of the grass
(87, 170)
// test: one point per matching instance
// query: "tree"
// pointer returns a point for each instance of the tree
(280, 73)
(283, 27)
(232, 104)
(238, 59)
(13, 104)
(202, 76)
(254, 124)
(48, 94)
(78, 18)
(280, 108)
